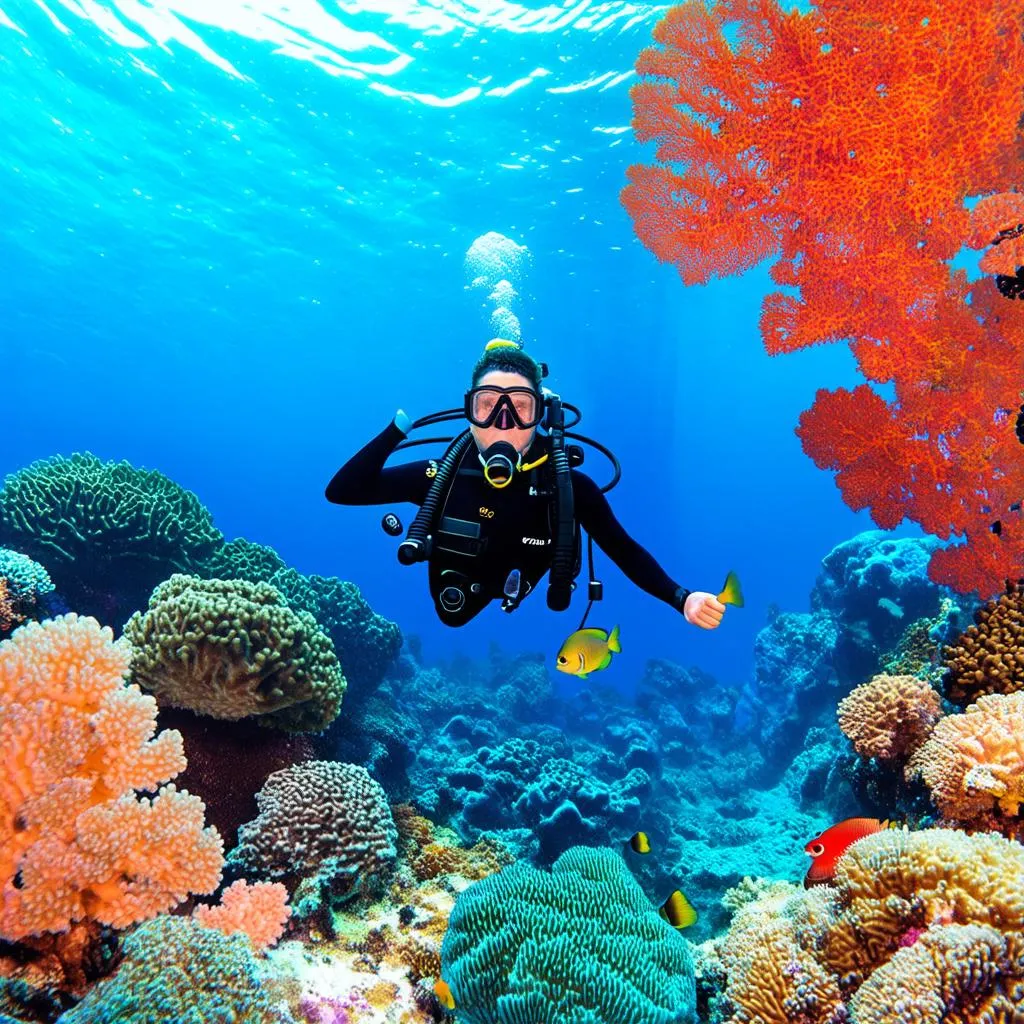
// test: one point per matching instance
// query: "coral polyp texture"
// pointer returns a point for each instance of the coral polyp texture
(24, 585)
(989, 656)
(917, 927)
(889, 717)
(233, 649)
(973, 763)
(321, 820)
(75, 841)
(579, 944)
(174, 969)
(795, 136)
(107, 532)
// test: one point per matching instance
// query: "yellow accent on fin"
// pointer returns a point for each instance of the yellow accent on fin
(731, 592)
(613, 641)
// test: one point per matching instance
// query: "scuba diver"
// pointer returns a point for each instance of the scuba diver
(504, 505)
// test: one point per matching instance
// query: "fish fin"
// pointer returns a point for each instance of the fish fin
(604, 662)
(613, 641)
(731, 590)
(582, 675)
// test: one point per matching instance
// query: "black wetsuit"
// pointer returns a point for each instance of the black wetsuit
(484, 532)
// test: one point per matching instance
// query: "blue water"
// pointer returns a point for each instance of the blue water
(232, 239)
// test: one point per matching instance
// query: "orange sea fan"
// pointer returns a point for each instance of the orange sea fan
(998, 221)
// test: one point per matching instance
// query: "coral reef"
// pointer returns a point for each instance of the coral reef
(584, 930)
(176, 970)
(890, 716)
(259, 911)
(107, 532)
(232, 649)
(24, 589)
(75, 840)
(988, 657)
(324, 823)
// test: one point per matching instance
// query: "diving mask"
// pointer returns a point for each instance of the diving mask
(504, 408)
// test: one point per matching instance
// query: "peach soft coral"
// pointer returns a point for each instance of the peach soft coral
(843, 142)
(75, 841)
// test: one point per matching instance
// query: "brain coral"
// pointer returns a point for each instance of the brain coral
(176, 970)
(233, 649)
(890, 716)
(320, 818)
(989, 656)
(973, 763)
(580, 944)
(104, 526)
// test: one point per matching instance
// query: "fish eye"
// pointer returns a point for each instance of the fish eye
(817, 850)
(562, 659)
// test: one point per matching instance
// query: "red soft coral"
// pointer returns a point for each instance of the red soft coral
(845, 141)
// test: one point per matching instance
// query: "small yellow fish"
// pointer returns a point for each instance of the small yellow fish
(731, 593)
(444, 994)
(588, 650)
(639, 843)
(678, 911)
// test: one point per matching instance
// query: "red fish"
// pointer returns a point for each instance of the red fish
(827, 848)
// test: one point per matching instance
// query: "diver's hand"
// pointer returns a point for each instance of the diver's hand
(703, 609)
(402, 421)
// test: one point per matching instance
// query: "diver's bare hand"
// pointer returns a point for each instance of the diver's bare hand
(703, 609)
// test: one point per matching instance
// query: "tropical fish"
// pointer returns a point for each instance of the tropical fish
(639, 843)
(731, 593)
(588, 650)
(444, 994)
(827, 848)
(678, 910)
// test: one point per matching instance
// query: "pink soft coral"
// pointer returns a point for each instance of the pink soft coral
(75, 840)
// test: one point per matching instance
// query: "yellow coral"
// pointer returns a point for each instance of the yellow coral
(889, 716)
(952, 974)
(973, 763)
(895, 884)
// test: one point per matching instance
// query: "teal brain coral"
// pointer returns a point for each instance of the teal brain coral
(176, 970)
(107, 532)
(580, 944)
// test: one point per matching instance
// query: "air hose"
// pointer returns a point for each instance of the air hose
(563, 561)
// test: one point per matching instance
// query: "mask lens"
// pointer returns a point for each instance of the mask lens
(482, 404)
(489, 405)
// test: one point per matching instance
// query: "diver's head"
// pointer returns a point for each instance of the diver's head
(504, 403)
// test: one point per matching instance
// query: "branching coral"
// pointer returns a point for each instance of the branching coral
(834, 140)
(75, 841)
(989, 656)
(260, 911)
(233, 649)
(973, 763)
(890, 716)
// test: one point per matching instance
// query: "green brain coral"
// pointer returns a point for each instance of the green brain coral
(233, 649)
(579, 945)
(107, 532)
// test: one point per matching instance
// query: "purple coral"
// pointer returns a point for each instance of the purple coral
(333, 1009)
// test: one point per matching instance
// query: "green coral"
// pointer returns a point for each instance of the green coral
(233, 649)
(176, 970)
(366, 643)
(107, 532)
(579, 945)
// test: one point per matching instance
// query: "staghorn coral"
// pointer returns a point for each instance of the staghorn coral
(973, 763)
(322, 821)
(233, 649)
(176, 970)
(890, 716)
(108, 532)
(952, 974)
(260, 911)
(75, 841)
(580, 943)
(988, 657)
(795, 135)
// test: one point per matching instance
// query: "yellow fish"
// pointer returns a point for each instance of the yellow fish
(588, 650)
(444, 994)
(639, 843)
(731, 593)
(678, 911)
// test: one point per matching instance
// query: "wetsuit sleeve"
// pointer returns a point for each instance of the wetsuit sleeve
(597, 518)
(363, 480)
